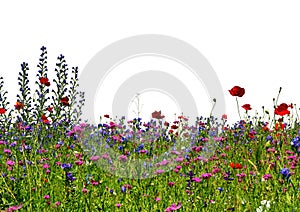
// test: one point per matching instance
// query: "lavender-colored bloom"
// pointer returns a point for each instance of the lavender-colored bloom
(70, 176)
(13, 144)
(268, 138)
(28, 147)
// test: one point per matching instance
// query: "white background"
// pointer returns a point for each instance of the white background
(254, 44)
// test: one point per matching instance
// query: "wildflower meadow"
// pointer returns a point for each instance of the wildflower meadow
(51, 160)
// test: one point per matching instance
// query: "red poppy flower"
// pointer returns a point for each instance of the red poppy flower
(235, 166)
(282, 109)
(251, 135)
(157, 115)
(106, 116)
(19, 105)
(50, 109)
(65, 101)
(238, 166)
(2, 110)
(237, 91)
(174, 127)
(44, 81)
(246, 107)
(279, 125)
(45, 119)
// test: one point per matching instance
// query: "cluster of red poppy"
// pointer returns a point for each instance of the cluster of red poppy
(20, 105)
(238, 91)
(280, 110)
(235, 165)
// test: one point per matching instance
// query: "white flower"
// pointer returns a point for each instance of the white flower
(259, 209)
(265, 202)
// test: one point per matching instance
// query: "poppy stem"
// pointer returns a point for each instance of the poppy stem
(214, 100)
(237, 103)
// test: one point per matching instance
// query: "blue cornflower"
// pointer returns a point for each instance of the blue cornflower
(70, 176)
(286, 173)
(140, 147)
(66, 165)
(220, 189)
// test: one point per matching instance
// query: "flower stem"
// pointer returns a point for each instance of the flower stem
(237, 103)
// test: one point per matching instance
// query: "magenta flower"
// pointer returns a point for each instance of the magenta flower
(160, 171)
(174, 207)
(46, 197)
(7, 151)
(94, 158)
(14, 208)
(78, 162)
(171, 184)
(196, 179)
(164, 162)
(267, 176)
(123, 158)
(118, 205)
(206, 175)
(216, 170)
(10, 163)
(157, 199)
(179, 159)
(46, 166)
(84, 190)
